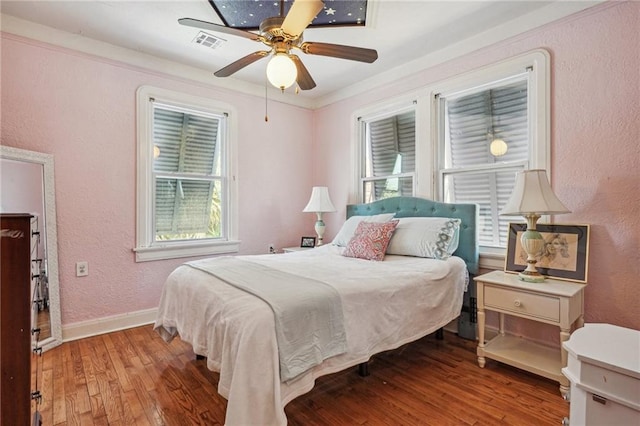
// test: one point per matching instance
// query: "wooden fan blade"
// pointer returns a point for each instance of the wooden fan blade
(304, 79)
(240, 63)
(203, 25)
(300, 16)
(339, 51)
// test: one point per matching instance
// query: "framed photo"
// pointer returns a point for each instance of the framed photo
(308, 242)
(565, 255)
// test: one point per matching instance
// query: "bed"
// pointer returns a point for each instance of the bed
(384, 305)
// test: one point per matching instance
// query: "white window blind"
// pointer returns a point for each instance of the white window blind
(471, 173)
(187, 174)
(390, 157)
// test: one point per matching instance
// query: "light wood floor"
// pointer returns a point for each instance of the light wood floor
(134, 377)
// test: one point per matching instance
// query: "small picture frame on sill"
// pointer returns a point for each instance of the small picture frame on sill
(308, 242)
(565, 255)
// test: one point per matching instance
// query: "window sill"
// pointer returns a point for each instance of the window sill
(174, 251)
(491, 260)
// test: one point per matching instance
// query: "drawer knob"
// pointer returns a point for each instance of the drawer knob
(517, 303)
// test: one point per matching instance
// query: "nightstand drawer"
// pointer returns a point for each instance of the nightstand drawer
(522, 303)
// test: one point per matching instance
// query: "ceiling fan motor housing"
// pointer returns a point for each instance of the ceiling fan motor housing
(271, 30)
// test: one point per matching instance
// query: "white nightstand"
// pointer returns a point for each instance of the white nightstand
(560, 303)
(293, 249)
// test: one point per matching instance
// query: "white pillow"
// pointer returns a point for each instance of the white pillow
(434, 237)
(349, 227)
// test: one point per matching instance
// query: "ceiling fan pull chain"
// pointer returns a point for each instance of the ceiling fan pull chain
(266, 115)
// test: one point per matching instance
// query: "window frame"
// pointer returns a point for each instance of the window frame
(426, 174)
(147, 249)
(537, 64)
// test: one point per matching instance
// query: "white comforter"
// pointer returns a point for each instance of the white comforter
(386, 304)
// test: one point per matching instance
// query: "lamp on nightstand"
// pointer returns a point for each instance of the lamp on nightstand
(532, 197)
(319, 203)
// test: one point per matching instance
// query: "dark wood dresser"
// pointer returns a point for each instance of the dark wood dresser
(15, 316)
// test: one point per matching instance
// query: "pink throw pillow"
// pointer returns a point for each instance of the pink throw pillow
(370, 240)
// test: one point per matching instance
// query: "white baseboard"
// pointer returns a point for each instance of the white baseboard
(90, 328)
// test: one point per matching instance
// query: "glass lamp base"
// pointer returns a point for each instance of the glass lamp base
(319, 227)
(532, 244)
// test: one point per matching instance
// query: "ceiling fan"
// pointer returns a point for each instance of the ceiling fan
(282, 34)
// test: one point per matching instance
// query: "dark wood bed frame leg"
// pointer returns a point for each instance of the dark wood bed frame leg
(440, 333)
(363, 369)
(200, 357)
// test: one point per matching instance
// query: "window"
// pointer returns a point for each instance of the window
(388, 154)
(490, 124)
(185, 193)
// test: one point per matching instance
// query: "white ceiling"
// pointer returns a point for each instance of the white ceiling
(409, 35)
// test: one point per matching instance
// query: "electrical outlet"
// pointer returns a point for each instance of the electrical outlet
(272, 249)
(82, 269)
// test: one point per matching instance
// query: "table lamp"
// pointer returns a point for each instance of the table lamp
(319, 203)
(532, 197)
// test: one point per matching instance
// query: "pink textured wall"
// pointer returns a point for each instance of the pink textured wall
(81, 109)
(595, 137)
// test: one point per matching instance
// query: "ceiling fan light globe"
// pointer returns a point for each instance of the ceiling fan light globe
(281, 71)
(498, 147)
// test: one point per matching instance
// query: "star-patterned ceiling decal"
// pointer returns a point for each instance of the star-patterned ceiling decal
(247, 14)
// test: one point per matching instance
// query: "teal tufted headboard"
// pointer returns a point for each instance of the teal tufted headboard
(421, 207)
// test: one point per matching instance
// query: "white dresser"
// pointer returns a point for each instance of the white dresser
(604, 370)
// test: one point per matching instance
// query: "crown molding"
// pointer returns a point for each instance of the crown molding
(545, 15)
(141, 61)
(27, 31)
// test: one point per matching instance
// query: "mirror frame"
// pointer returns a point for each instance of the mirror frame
(50, 219)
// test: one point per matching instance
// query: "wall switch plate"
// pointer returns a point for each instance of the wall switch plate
(82, 269)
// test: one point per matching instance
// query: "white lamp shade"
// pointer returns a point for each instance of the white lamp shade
(532, 193)
(281, 71)
(319, 201)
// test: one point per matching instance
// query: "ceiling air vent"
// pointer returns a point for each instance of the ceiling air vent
(207, 40)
